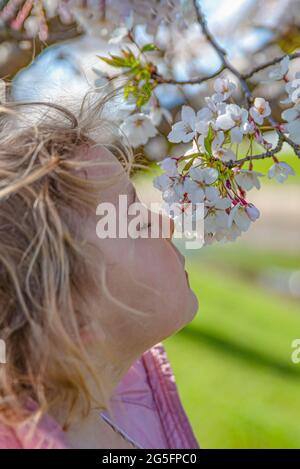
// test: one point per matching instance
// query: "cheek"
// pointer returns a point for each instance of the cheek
(148, 282)
(159, 267)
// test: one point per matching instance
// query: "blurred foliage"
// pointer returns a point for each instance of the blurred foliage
(289, 42)
(233, 362)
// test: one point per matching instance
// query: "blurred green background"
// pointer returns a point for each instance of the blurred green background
(233, 362)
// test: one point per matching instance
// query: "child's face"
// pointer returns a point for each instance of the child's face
(144, 275)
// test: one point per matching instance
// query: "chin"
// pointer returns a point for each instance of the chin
(195, 304)
(188, 310)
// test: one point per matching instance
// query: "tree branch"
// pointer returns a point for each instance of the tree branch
(261, 156)
(221, 52)
(248, 75)
(192, 81)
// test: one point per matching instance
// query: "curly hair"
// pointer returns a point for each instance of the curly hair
(47, 269)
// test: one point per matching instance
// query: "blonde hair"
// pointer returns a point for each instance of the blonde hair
(47, 269)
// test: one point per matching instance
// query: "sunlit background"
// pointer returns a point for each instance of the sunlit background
(233, 363)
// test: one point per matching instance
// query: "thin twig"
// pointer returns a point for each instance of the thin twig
(192, 81)
(221, 52)
(265, 65)
(261, 156)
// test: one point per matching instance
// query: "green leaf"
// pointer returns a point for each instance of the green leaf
(188, 165)
(149, 48)
(208, 141)
(114, 61)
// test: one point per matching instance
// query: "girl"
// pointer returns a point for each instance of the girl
(80, 315)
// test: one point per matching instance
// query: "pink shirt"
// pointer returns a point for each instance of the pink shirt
(146, 409)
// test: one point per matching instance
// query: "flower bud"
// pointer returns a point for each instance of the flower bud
(252, 212)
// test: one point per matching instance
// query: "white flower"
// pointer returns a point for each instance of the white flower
(183, 190)
(191, 190)
(216, 216)
(224, 88)
(240, 217)
(259, 138)
(280, 171)
(162, 182)
(293, 128)
(176, 188)
(250, 127)
(169, 165)
(184, 130)
(234, 120)
(279, 72)
(205, 114)
(205, 175)
(138, 128)
(215, 221)
(224, 154)
(222, 203)
(214, 108)
(233, 233)
(158, 113)
(247, 179)
(292, 116)
(202, 128)
(260, 110)
(203, 178)
(293, 91)
(218, 151)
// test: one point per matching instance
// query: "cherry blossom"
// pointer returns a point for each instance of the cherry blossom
(184, 130)
(138, 128)
(292, 116)
(260, 110)
(240, 217)
(234, 119)
(170, 166)
(293, 90)
(279, 72)
(216, 217)
(280, 171)
(224, 154)
(224, 88)
(248, 179)
(214, 107)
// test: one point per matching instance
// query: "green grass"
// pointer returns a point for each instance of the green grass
(233, 362)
